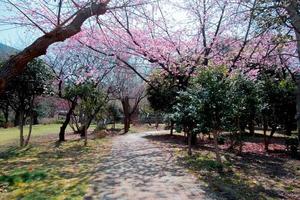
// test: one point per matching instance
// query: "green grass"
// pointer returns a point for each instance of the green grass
(46, 171)
(10, 135)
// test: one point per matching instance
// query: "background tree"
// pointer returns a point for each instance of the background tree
(128, 89)
(23, 90)
(245, 104)
(278, 103)
(162, 92)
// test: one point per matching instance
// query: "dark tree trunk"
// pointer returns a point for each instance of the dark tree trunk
(241, 137)
(293, 12)
(6, 113)
(265, 128)
(298, 104)
(217, 150)
(194, 139)
(86, 125)
(156, 121)
(251, 127)
(126, 111)
(273, 129)
(30, 130)
(126, 124)
(67, 121)
(21, 127)
(17, 118)
(82, 131)
(189, 135)
(35, 118)
(172, 127)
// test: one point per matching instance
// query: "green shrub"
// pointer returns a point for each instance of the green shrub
(23, 176)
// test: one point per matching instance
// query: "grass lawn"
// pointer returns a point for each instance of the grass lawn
(44, 170)
(10, 135)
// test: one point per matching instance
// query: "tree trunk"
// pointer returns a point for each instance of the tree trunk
(241, 136)
(82, 131)
(6, 113)
(292, 10)
(217, 150)
(85, 136)
(194, 139)
(17, 118)
(66, 122)
(171, 128)
(251, 127)
(189, 143)
(21, 127)
(270, 137)
(126, 111)
(156, 121)
(298, 105)
(30, 130)
(126, 123)
(265, 127)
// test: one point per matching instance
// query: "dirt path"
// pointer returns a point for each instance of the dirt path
(138, 169)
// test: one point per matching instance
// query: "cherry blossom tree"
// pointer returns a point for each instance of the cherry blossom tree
(56, 21)
(76, 68)
(127, 88)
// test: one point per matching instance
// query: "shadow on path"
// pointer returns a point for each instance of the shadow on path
(138, 169)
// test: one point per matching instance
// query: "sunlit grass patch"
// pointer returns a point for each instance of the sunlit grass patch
(49, 172)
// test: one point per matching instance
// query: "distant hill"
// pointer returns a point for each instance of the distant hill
(6, 51)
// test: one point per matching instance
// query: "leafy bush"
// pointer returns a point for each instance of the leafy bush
(23, 176)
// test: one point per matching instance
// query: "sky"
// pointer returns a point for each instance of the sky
(12, 36)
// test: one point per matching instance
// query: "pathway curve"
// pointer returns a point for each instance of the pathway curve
(139, 169)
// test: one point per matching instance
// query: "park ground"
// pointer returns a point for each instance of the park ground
(139, 166)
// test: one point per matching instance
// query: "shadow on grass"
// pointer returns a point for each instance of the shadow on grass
(247, 176)
(229, 184)
(47, 171)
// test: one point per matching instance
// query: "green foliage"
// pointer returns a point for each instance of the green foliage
(206, 106)
(22, 176)
(114, 112)
(245, 100)
(163, 92)
(22, 90)
(216, 101)
(278, 100)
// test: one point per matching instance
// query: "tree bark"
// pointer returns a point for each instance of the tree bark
(126, 111)
(172, 127)
(66, 122)
(292, 10)
(31, 112)
(17, 118)
(270, 138)
(265, 128)
(217, 150)
(251, 127)
(21, 127)
(85, 136)
(6, 113)
(16, 64)
(30, 130)
(194, 139)
(189, 143)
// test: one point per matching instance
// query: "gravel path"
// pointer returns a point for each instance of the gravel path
(139, 169)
